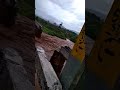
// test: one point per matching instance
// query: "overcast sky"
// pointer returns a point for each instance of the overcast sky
(70, 12)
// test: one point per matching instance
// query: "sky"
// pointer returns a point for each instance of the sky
(70, 12)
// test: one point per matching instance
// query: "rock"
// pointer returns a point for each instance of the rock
(38, 30)
(20, 37)
(5, 79)
(17, 72)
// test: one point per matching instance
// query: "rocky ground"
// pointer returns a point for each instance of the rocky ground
(20, 37)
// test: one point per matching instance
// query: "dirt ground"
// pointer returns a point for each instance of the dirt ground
(50, 43)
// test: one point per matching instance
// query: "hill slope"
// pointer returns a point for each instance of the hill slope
(50, 43)
(54, 30)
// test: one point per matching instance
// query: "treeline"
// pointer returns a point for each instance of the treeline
(55, 30)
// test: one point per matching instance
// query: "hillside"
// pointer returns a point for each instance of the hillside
(54, 30)
(50, 43)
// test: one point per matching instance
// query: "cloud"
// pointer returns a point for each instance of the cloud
(70, 12)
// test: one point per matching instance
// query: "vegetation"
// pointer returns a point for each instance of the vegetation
(56, 30)
(93, 25)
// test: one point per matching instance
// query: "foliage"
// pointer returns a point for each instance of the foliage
(55, 30)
